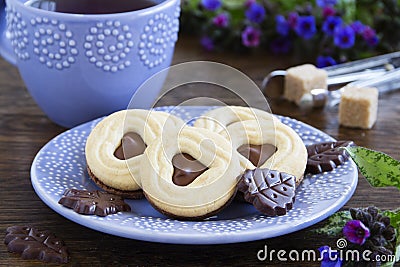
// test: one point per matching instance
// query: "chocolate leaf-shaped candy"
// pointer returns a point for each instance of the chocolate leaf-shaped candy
(326, 156)
(32, 243)
(93, 202)
(378, 168)
(271, 192)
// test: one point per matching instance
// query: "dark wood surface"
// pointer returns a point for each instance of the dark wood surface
(24, 129)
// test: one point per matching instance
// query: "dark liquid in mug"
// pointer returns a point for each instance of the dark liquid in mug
(91, 6)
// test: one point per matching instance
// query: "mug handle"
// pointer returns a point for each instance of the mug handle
(6, 50)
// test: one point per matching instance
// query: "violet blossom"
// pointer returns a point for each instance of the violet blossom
(305, 26)
(251, 37)
(344, 37)
(330, 24)
(356, 232)
(328, 11)
(211, 5)
(255, 13)
(325, 61)
(329, 257)
(221, 20)
(282, 25)
(370, 36)
(324, 3)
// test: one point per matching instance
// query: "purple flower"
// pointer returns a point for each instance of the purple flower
(255, 13)
(325, 61)
(369, 36)
(207, 43)
(358, 27)
(330, 24)
(292, 19)
(221, 20)
(324, 3)
(305, 26)
(281, 45)
(248, 3)
(344, 37)
(251, 37)
(368, 32)
(356, 232)
(330, 258)
(373, 41)
(211, 5)
(282, 26)
(328, 11)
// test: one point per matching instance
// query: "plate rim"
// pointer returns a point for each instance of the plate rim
(197, 238)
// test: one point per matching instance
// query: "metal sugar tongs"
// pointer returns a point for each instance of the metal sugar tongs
(382, 72)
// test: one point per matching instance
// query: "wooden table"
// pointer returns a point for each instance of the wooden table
(24, 129)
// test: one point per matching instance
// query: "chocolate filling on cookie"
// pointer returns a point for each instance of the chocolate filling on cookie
(186, 169)
(257, 154)
(132, 145)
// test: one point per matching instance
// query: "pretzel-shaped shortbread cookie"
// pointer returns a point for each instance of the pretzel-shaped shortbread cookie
(116, 175)
(218, 119)
(202, 197)
(290, 155)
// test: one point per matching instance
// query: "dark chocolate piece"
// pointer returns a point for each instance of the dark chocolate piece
(93, 202)
(257, 154)
(326, 156)
(271, 192)
(186, 169)
(34, 244)
(132, 145)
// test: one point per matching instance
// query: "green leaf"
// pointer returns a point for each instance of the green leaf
(335, 224)
(234, 4)
(349, 8)
(394, 216)
(191, 4)
(288, 6)
(378, 168)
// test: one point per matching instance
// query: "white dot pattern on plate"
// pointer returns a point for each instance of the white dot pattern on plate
(326, 186)
(65, 168)
(149, 223)
(108, 45)
(17, 33)
(53, 43)
(229, 226)
(160, 32)
(61, 165)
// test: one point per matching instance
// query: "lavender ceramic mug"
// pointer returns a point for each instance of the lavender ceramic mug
(79, 67)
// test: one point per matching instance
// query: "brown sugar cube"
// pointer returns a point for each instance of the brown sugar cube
(300, 80)
(358, 107)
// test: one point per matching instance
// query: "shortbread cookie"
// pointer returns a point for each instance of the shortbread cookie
(114, 167)
(191, 176)
(218, 119)
(276, 148)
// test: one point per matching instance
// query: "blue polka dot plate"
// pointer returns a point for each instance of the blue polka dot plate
(60, 165)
